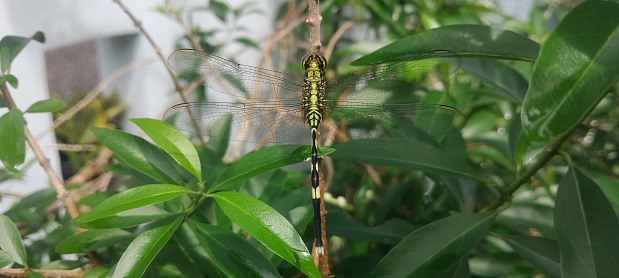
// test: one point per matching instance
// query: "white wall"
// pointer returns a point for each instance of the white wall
(66, 22)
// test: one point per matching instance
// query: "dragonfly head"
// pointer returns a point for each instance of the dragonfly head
(314, 61)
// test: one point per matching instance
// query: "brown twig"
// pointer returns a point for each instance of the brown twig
(151, 41)
(61, 191)
(336, 37)
(56, 181)
(23, 272)
(313, 20)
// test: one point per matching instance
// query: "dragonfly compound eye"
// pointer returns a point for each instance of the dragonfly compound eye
(314, 61)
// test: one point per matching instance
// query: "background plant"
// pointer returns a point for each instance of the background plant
(403, 210)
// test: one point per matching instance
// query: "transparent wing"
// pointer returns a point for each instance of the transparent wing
(264, 122)
(233, 79)
(391, 122)
(378, 82)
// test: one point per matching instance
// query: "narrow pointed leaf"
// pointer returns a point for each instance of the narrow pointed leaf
(269, 227)
(143, 249)
(189, 243)
(13, 146)
(262, 161)
(47, 105)
(173, 142)
(499, 75)
(125, 219)
(233, 254)
(91, 240)
(465, 40)
(142, 155)
(587, 228)
(539, 251)
(11, 242)
(413, 154)
(134, 198)
(577, 64)
(428, 250)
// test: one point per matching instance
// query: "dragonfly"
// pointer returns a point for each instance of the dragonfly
(274, 107)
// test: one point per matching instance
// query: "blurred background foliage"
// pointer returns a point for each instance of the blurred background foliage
(388, 198)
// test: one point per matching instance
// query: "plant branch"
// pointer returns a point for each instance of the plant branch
(177, 86)
(521, 179)
(56, 181)
(314, 19)
(23, 272)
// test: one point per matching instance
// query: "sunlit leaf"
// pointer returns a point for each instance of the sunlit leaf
(145, 247)
(269, 227)
(577, 64)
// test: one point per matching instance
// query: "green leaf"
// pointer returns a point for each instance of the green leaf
(47, 105)
(97, 272)
(587, 228)
(465, 40)
(390, 232)
(525, 215)
(233, 254)
(11, 242)
(269, 227)
(247, 42)
(173, 142)
(220, 9)
(146, 246)
(125, 219)
(262, 161)
(189, 243)
(134, 198)
(576, 65)
(12, 80)
(608, 184)
(5, 258)
(412, 154)
(10, 46)
(13, 146)
(141, 155)
(538, 251)
(34, 275)
(435, 247)
(91, 240)
(499, 75)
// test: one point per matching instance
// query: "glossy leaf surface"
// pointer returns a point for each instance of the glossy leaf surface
(465, 40)
(233, 254)
(134, 198)
(577, 64)
(262, 161)
(145, 247)
(269, 227)
(173, 142)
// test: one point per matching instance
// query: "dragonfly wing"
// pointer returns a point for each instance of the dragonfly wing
(258, 122)
(379, 82)
(231, 78)
(392, 122)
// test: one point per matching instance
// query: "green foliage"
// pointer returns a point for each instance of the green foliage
(493, 201)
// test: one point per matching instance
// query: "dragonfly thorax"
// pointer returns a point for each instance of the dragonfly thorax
(313, 101)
